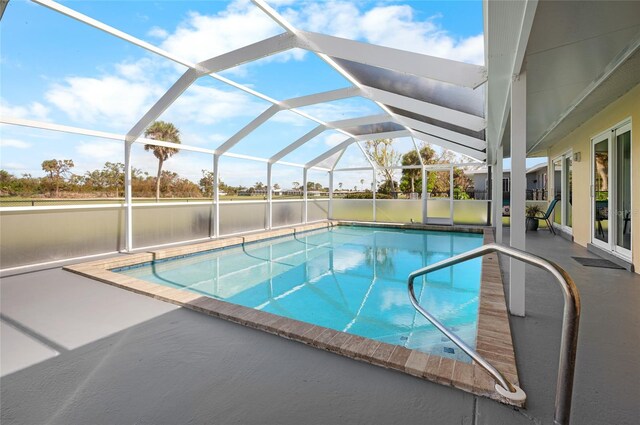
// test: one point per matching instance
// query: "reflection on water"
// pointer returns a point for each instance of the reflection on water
(351, 279)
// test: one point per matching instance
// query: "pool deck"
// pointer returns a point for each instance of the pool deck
(76, 351)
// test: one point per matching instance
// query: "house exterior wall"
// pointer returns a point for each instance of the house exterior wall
(579, 140)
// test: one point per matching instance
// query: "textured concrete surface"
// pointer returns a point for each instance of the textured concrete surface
(607, 381)
(120, 358)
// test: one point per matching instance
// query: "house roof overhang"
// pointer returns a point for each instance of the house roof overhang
(579, 58)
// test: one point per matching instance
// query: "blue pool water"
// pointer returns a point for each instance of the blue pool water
(351, 279)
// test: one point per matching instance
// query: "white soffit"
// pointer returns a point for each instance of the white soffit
(625, 77)
(572, 46)
(503, 23)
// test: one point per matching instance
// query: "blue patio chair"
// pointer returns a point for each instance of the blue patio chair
(547, 215)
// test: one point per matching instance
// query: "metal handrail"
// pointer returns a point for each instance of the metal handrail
(570, 322)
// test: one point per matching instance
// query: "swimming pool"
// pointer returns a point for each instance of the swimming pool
(347, 278)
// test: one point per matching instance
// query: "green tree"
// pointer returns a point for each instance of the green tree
(57, 170)
(460, 184)
(114, 176)
(110, 178)
(382, 153)
(7, 183)
(206, 183)
(413, 177)
(165, 131)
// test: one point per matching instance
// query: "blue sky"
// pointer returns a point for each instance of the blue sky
(56, 69)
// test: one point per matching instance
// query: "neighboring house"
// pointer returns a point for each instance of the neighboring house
(258, 192)
(536, 183)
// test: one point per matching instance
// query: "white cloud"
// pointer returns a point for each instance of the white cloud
(201, 37)
(291, 118)
(104, 99)
(388, 25)
(157, 32)
(348, 259)
(14, 166)
(136, 71)
(115, 100)
(238, 172)
(34, 110)
(334, 139)
(14, 143)
(102, 150)
(209, 105)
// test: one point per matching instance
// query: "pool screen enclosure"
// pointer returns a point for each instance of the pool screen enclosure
(421, 98)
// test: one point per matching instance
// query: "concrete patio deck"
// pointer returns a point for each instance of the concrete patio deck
(76, 351)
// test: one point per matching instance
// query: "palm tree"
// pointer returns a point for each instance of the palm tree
(167, 132)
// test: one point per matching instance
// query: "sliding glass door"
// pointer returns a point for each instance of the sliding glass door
(600, 184)
(611, 190)
(622, 242)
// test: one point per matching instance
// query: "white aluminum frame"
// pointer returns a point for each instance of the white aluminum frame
(563, 191)
(326, 47)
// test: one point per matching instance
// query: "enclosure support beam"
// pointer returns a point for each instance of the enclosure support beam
(353, 122)
(497, 194)
(216, 194)
(489, 194)
(295, 145)
(448, 144)
(330, 212)
(384, 135)
(250, 53)
(269, 197)
(443, 133)
(374, 190)
(328, 96)
(305, 172)
(167, 99)
(437, 112)
(424, 196)
(212, 220)
(445, 70)
(518, 191)
(451, 194)
(247, 129)
(329, 153)
(128, 199)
